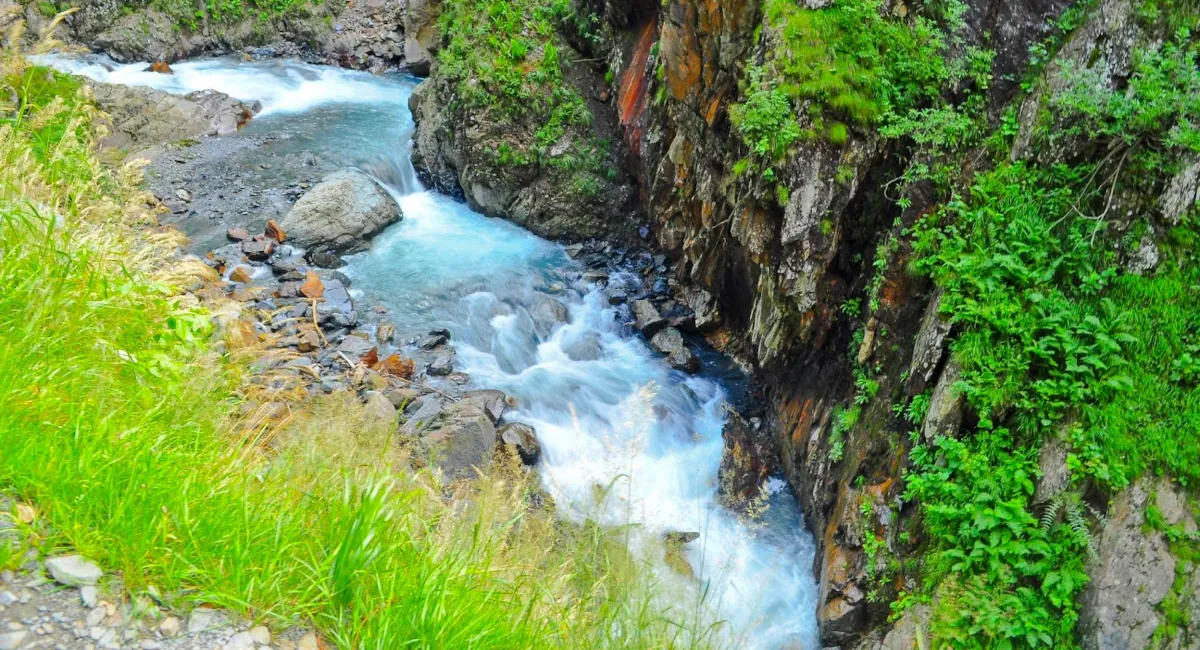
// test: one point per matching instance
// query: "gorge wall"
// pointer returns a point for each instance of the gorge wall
(807, 274)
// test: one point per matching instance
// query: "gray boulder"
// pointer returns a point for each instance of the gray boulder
(463, 439)
(647, 319)
(141, 117)
(494, 402)
(670, 342)
(341, 213)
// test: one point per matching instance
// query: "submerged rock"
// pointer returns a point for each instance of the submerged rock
(341, 213)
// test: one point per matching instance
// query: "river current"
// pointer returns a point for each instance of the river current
(621, 420)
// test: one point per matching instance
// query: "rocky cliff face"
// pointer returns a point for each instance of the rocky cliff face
(778, 269)
(372, 35)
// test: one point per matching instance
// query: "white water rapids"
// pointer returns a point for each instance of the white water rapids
(617, 418)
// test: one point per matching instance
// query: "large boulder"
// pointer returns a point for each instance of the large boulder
(341, 213)
(143, 117)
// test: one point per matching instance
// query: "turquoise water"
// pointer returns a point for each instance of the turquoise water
(608, 412)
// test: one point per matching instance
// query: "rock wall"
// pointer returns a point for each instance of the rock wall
(371, 35)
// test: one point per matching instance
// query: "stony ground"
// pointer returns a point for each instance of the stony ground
(65, 602)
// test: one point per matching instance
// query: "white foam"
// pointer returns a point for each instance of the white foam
(281, 86)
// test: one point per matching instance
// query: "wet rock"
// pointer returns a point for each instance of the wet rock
(674, 537)
(341, 213)
(585, 348)
(325, 259)
(441, 366)
(240, 274)
(546, 313)
(670, 342)
(73, 571)
(462, 440)
(258, 249)
(434, 339)
(494, 402)
(385, 333)
(646, 317)
(522, 439)
(336, 301)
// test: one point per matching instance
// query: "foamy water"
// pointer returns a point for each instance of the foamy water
(625, 438)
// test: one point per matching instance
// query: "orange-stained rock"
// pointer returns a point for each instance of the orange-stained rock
(273, 231)
(237, 234)
(240, 274)
(160, 67)
(371, 358)
(397, 366)
(240, 334)
(312, 287)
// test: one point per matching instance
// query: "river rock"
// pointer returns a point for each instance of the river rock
(494, 402)
(546, 313)
(379, 409)
(646, 317)
(584, 348)
(421, 34)
(425, 411)
(73, 571)
(462, 440)
(670, 342)
(441, 366)
(143, 117)
(336, 300)
(341, 213)
(523, 439)
(434, 339)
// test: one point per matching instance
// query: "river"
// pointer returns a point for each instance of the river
(607, 410)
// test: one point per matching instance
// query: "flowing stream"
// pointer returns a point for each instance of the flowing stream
(611, 416)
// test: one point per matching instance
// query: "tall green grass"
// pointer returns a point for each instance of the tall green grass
(130, 437)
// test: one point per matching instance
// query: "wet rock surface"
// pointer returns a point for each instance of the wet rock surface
(341, 213)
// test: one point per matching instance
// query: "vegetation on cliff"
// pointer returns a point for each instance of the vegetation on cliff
(139, 446)
(506, 59)
(1061, 336)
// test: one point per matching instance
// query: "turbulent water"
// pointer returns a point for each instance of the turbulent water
(625, 438)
